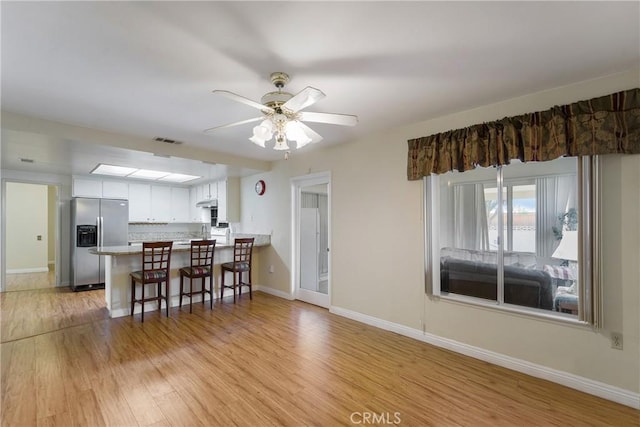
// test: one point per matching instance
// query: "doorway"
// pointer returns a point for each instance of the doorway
(31, 236)
(311, 230)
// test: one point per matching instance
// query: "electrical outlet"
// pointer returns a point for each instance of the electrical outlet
(272, 269)
(616, 340)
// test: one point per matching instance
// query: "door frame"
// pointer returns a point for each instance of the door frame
(297, 183)
(3, 228)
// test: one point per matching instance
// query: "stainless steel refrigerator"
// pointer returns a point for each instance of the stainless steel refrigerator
(94, 223)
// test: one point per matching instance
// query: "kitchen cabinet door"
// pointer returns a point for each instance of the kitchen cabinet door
(196, 213)
(87, 188)
(209, 191)
(160, 203)
(180, 207)
(139, 203)
(229, 200)
(115, 190)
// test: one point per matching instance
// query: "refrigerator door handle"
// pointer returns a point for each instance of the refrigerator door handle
(100, 231)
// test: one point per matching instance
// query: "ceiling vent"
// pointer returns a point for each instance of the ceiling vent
(167, 140)
(23, 160)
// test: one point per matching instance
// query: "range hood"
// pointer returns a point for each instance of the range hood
(211, 203)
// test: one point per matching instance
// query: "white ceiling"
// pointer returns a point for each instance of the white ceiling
(147, 69)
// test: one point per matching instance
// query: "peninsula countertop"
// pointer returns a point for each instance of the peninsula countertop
(260, 240)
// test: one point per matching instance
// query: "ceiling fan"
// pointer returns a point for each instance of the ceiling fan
(282, 116)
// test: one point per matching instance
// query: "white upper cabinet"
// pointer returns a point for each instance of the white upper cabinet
(196, 214)
(209, 191)
(115, 190)
(139, 203)
(229, 200)
(160, 203)
(180, 207)
(87, 187)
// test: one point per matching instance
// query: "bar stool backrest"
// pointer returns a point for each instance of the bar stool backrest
(202, 253)
(156, 256)
(242, 250)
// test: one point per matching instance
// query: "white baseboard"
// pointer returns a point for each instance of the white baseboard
(586, 385)
(28, 270)
(274, 292)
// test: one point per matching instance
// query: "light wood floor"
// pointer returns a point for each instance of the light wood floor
(28, 281)
(38, 311)
(268, 362)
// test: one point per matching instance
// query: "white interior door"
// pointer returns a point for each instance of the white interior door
(309, 248)
(311, 275)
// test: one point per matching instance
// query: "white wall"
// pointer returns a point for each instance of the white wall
(375, 207)
(27, 218)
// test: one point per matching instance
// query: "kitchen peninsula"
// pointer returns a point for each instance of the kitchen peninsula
(120, 261)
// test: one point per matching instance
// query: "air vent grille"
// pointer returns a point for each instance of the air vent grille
(24, 160)
(167, 140)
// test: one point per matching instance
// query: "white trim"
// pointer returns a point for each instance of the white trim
(586, 385)
(28, 270)
(274, 292)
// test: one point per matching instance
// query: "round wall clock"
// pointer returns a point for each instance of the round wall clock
(260, 187)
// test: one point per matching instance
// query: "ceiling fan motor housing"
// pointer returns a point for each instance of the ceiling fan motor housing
(279, 79)
(275, 99)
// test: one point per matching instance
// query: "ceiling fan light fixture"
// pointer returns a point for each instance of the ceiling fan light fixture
(303, 141)
(262, 132)
(281, 143)
(257, 141)
(282, 116)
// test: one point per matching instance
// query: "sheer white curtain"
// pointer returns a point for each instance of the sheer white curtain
(471, 229)
(555, 195)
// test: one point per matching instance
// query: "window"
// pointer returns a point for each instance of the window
(509, 236)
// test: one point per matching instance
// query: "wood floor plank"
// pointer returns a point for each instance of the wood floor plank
(266, 362)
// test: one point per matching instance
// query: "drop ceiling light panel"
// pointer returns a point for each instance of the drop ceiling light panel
(111, 170)
(178, 177)
(148, 174)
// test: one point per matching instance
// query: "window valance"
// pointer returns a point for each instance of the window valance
(605, 125)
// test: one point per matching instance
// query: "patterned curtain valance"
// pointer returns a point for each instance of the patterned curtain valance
(605, 125)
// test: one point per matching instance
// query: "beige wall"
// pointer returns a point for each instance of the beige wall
(375, 207)
(27, 213)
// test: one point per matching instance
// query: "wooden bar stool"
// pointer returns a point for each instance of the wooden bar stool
(242, 249)
(156, 257)
(201, 268)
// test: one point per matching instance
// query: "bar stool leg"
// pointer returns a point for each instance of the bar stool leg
(181, 288)
(166, 296)
(133, 294)
(191, 295)
(222, 286)
(142, 302)
(211, 290)
(234, 287)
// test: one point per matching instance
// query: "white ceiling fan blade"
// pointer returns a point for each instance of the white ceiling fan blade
(255, 119)
(332, 118)
(243, 100)
(315, 137)
(307, 96)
